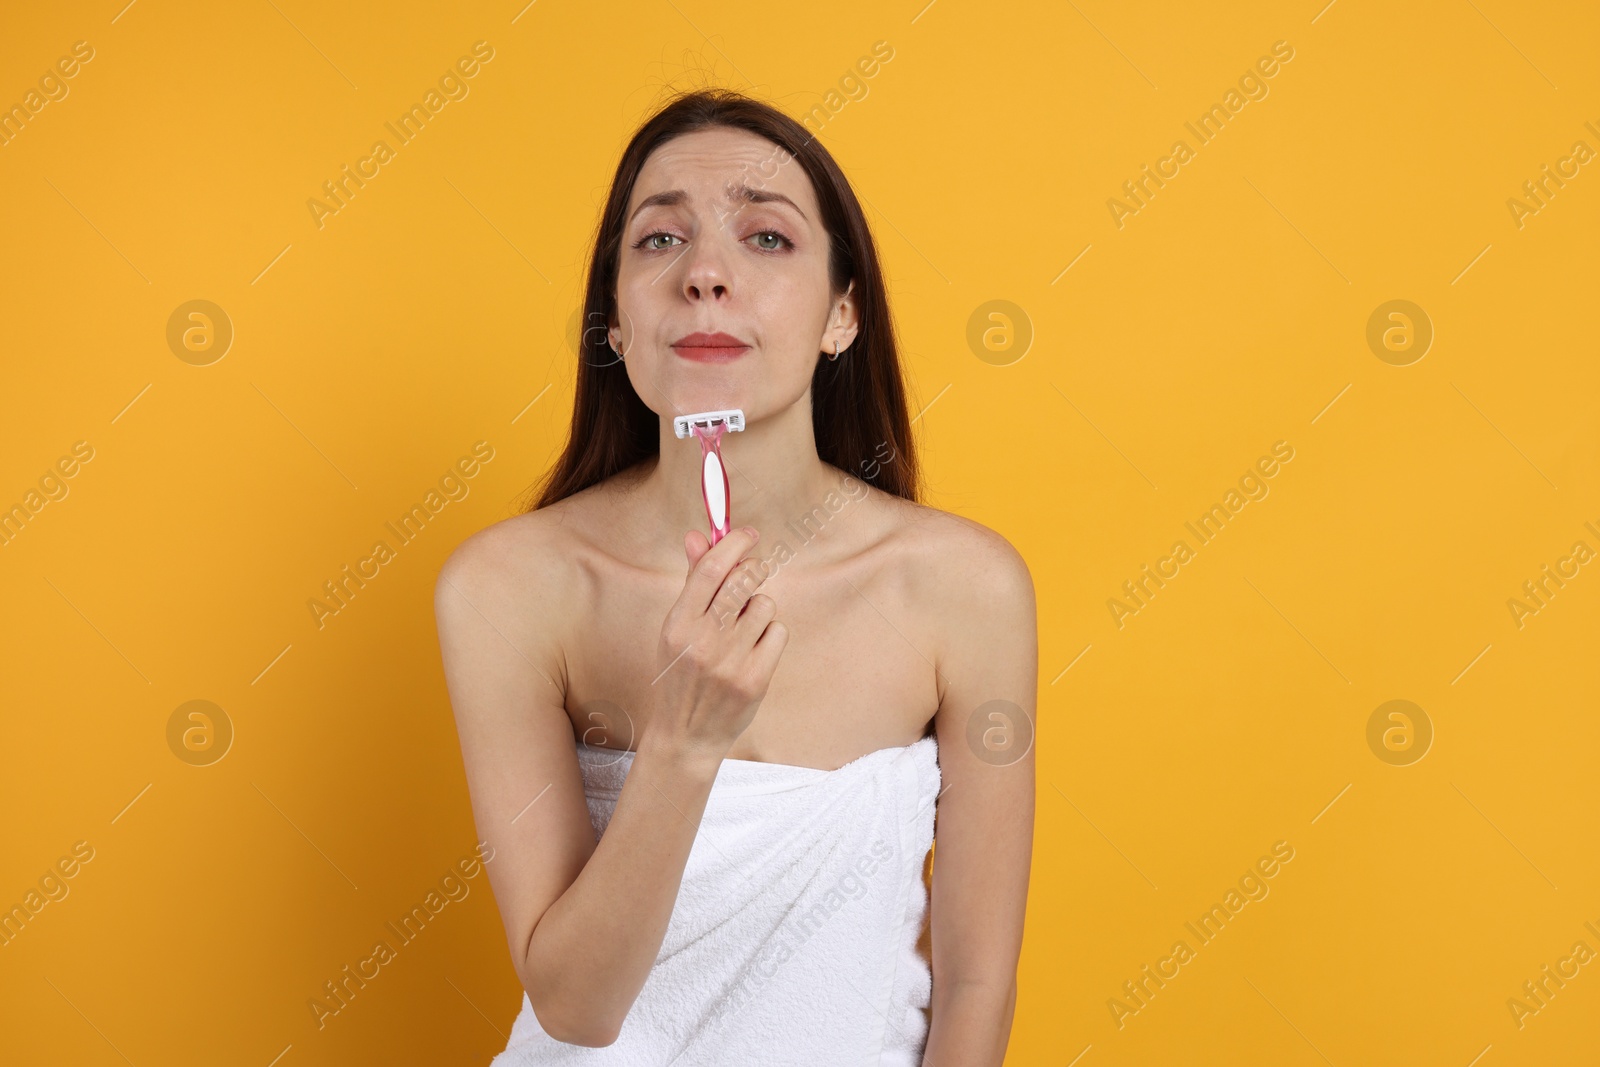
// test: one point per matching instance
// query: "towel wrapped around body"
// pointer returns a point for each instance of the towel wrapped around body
(793, 939)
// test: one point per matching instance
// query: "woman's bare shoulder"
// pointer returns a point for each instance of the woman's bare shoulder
(959, 551)
(974, 594)
(533, 557)
(527, 545)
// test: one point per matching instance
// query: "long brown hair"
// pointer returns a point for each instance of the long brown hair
(858, 414)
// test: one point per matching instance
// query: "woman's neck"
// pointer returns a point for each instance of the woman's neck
(774, 473)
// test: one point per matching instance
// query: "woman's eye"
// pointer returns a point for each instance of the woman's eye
(777, 237)
(648, 242)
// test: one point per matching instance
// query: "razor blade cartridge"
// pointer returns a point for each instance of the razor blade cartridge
(730, 418)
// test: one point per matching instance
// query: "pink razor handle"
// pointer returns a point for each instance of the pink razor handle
(714, 481)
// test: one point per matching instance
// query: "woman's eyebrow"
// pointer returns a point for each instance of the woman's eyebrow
(765, 196)
(745, 193)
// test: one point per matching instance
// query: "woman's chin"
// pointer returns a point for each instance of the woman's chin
(692, 401)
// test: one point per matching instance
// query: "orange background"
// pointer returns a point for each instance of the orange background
(1137, 373)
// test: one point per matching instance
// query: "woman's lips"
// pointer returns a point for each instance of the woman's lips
(717, 354)
(710, 347)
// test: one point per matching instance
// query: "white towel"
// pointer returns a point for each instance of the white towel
(793, 939)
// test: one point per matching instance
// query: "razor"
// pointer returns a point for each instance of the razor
(709, 427)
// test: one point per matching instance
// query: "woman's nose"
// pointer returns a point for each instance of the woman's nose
(705, 269)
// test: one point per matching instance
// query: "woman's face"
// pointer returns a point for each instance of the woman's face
(723, 236)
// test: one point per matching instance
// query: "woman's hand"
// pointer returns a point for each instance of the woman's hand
(718, 650)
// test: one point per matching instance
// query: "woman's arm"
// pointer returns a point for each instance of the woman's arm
(584, 921)
(984, 827)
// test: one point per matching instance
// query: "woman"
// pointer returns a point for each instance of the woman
(709, 778)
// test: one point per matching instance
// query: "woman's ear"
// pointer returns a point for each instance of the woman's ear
(845, 323)
(614, 336)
